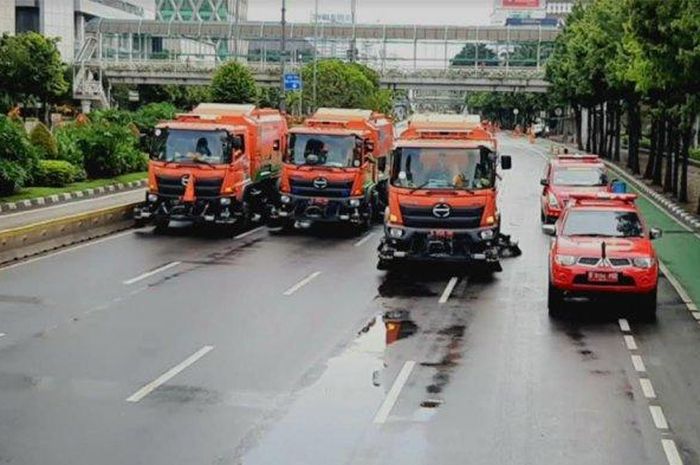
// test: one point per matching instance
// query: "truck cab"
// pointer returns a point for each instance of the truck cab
(216, 165)
(442, 194)
(335, 170)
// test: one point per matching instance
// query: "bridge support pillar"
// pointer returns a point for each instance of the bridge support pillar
(85, 106)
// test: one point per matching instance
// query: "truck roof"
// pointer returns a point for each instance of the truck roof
(325, 130)
(200, 126)
(444, 143)
(223, 109)
(442, 121)
(342, 114)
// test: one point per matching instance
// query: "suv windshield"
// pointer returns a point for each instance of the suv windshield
(579, 176)
(182, 146)
(602, 223)
(436, 168)
(322, 149)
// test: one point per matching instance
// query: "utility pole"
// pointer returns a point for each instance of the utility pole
(283, 57)
(315, 55)
(353, 41)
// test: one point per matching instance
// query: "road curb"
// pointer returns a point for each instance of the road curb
(25, 241)
(28, 204)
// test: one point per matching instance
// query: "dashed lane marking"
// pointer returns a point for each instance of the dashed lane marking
(658, 416)
(165, 377)
(638, 364)
(448, 289)
(624, 325)
(364, 239)
(647, 388)
(2, 334)
(148, 274)
(248, 233)
(393, 395)
(302, 283)
(671, 451)
(630, 342)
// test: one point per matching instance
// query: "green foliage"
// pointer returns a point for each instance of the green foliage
(268, 97)
(233, 83)
(371, 75)
(109, 149)
(339, 84)
(147, 116)
(44, 141)
(67, 142)
(55, 173)
(499, 106)
(18, 157)
(381, 101)
(695, 154)
(31, 67)
(472, 54)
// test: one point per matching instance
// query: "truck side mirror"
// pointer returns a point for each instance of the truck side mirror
(655, 233)
(549, 229)
(381, 164)
(544, 182)
(506, 162)
(369, 146)
(276, 145)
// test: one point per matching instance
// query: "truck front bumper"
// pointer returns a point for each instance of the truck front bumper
(302, 211)
(169, 211)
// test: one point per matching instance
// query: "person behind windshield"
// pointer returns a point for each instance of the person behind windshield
(442, 172)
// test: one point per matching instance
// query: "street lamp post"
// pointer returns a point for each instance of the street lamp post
(283, 53)
(315, 54)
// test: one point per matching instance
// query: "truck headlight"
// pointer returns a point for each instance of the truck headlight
(285, 199)
(225, 201)
(354, 202)
(487, 234)
(643, 262)
(152, 198)
(552, 199)
(396, 233)
(565, 260)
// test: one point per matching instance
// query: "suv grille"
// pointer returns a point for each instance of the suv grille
(460, 217)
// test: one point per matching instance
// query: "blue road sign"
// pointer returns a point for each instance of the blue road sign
(292, 81)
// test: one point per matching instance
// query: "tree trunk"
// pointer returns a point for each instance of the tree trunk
(685, 152)
(601, 133)
(618, 130)
(654, 139)
(589, 130)
(671, 136)
(577, 120)
(660, 147)
(635, 132)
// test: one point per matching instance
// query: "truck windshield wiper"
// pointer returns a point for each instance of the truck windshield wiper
(202, 162)
(419, 187)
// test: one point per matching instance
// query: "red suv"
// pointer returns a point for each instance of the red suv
(602, 246)
(566, 175)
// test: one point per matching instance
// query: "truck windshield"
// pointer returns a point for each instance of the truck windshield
(602, 223)
(183, 146)
(585, 176)
(439, 168)
(322, 150)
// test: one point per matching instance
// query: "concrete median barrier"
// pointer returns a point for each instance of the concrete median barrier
(25, 241)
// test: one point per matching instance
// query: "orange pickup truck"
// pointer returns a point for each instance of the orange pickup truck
(218, 165)
(442, 194)
(335, 170)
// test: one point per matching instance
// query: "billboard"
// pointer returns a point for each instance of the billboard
(523, 3)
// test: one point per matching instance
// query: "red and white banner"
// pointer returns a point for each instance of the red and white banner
(522, 3)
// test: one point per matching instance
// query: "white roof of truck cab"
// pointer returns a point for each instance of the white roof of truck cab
(438, 120)
(342, 114)
(222, 109)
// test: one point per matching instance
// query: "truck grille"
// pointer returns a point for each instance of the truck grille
(170, 186)
(332, 189)
(460, 217)
(208, 188)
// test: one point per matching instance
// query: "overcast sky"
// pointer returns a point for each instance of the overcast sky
(454, 12)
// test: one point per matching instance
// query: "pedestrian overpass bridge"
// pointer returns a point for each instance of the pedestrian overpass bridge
(414, 58)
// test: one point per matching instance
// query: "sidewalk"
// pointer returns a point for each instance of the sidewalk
(54, 212)
(678, 249)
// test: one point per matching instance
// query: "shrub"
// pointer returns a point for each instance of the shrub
(18, 157)
(695, 154)
(67, 142)
(109, 149)
(148, 116)
(233, 83)
(54, 173)
(44, 141)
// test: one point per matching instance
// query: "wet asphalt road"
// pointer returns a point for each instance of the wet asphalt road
(181, 349)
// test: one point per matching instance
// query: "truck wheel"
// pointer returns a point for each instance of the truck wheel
(555, 302)
(543, 217)
(384, 265)
(140, 223)
(647, 306)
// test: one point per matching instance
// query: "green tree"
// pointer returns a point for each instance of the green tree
(233, 83)
(44, 141)
(472, 54)
(31, 69)
(18, 157)
(339, 84)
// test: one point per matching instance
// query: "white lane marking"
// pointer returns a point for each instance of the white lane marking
(393, 395)
(70, 204)
(248, 233)
(638, 363)
(148, 274)
(165, 377)
(2, 334)
(624, 325)
(448, 289)
(630, 342)
(672, 455)
(658, 416)
(677, 286)
(68, 249)
(647, 388)
(302, 283)
(364, 239)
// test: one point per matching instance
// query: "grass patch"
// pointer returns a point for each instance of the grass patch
(38, 191)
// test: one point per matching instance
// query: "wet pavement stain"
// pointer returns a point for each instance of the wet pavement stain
(444, 367)
(19, 299)
(395, 286)
(601, 372)
(577, 337)
(588, 354)
(431, 403)
(181, 394)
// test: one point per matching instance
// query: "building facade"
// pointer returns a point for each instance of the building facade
(66, 19)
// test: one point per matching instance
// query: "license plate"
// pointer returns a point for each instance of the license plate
(319, 201)
(441, 234)
(603, 277)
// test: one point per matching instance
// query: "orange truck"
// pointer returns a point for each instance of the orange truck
(335, 170)
(442, 194)
(218, 165)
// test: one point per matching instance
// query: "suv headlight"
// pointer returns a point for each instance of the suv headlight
(396, 233)
(354, 202)
(552, 199)
(565, 260)
(643, 262)
(225, 201)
